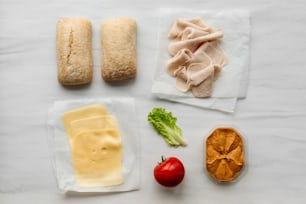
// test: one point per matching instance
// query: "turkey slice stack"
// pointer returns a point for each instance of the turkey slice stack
(197, 57)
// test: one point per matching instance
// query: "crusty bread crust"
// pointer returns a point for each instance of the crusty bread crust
(118, 41)
(74, 55)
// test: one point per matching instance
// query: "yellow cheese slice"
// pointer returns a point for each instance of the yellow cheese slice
(96, 122)
(96, 146)
(97, 157)
(81, 113)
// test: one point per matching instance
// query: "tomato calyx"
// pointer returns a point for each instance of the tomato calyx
(163, 159)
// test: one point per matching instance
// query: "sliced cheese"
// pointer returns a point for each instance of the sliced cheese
(84, 112)
(96, 146)
(96, 122)
(97, 158)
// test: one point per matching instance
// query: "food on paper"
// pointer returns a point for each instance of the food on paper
(74, 55)
(193, 44)
(224, 154)
(81, 113)
(165, 124)
(169, 172)
(118, 41)
(100, 122)
(197, 57)
(96, 146)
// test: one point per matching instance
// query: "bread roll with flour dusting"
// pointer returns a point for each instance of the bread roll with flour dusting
(118, 41)
(74, 55)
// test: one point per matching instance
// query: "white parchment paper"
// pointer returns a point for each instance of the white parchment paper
(124, 111)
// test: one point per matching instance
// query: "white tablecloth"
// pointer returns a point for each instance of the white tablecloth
(272, 117)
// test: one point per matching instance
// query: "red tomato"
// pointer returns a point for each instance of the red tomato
(170, 172)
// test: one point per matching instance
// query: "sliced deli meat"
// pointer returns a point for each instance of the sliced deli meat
(198, 72)
(182, 85)
(193, 44)
(197, 57)
(191, 33)
(216, 53)
(194, 77)
(180, 59)
(204, 89)
(181, 24)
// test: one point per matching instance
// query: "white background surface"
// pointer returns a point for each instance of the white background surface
(272, 117)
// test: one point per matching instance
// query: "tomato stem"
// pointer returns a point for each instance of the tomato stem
(163, 158)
